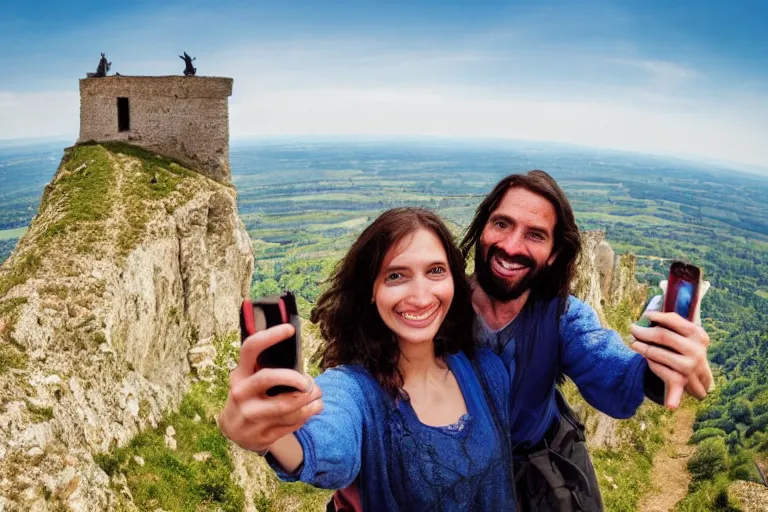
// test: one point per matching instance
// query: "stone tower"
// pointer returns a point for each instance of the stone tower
(184, 118)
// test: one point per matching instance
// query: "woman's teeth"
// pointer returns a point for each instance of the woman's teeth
(409, 316)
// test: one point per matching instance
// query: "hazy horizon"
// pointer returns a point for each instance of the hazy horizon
(689, 80)
(245, 141)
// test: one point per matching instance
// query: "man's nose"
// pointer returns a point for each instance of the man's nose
(512, 243)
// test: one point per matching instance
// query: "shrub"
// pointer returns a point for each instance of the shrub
(740, 411)
(710, 413)
(711, 457)
(706, 433)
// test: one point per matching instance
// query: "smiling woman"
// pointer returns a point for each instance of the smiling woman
(411, 412)
(414, 289)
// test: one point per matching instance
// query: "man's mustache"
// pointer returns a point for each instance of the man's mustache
(519, 259)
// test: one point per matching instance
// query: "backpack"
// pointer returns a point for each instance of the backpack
(556, 474)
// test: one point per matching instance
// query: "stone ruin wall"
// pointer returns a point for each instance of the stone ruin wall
(185, 118)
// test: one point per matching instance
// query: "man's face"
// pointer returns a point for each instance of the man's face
(516, 244)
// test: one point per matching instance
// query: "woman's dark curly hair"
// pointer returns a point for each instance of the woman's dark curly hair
(350, 324)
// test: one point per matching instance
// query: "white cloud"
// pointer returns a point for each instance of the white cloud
(662, 72)
(467, 113)
(39, 114)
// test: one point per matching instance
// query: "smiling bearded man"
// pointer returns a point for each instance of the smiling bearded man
(526, 243)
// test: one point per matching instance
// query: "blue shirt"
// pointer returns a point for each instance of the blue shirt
(609, 375)
(402, 463)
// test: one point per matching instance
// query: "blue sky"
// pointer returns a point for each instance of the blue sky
(689, 80)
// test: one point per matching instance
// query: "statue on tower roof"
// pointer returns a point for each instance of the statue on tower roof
(102, 69)
(188, 70)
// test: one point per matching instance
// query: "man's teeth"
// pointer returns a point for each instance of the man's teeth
(410, 316)
(510, 266)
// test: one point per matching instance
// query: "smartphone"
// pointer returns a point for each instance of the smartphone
(258, 315)
(681, 297)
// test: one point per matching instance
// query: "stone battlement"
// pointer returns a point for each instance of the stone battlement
(185, 118)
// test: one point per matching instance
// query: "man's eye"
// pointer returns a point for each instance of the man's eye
(500, 224)
(537, 236)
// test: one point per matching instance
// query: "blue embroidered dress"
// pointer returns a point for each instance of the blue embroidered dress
(402, 463)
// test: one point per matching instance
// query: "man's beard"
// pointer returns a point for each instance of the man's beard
(497, 287)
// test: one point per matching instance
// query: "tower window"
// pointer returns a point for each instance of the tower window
(123, 115)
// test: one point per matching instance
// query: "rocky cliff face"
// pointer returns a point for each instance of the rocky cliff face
(606, 282)
(131, 267)
(749, 496)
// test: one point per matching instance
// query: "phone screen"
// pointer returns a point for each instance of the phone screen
(682, 289)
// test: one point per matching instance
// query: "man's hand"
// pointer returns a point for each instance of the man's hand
(685, 369)
(254, 420)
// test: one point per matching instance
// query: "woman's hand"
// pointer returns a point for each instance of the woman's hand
(254, 420)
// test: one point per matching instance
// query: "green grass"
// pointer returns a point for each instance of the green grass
(155, 179)
(82, 195)
(710, 496)
(10, 234)
(20, 272)
(762, 293)
(619, 317)
(348, 224)
(39, 414)
(639, 219)
(294, 496)
(79, 196)
(623, 477)
(172, 479)
(11, 357)
(624, 474)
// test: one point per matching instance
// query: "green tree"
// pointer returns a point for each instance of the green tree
(740, 411)
(711, 457)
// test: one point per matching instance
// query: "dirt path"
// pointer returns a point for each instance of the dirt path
(670, 478)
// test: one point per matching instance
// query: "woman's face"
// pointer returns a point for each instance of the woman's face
(414, 288)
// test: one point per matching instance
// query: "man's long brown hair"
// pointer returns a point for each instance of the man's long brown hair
(350, 324)
(555, 280)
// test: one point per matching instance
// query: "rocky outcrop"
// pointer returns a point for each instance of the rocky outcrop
(132, 265)
(749, 496)
(605, 281)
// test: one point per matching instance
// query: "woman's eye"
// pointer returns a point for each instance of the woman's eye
(394, 276)
(438, 270)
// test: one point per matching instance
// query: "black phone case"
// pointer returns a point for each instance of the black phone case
(267, 312)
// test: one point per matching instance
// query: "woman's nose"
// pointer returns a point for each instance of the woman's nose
(420, 292)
